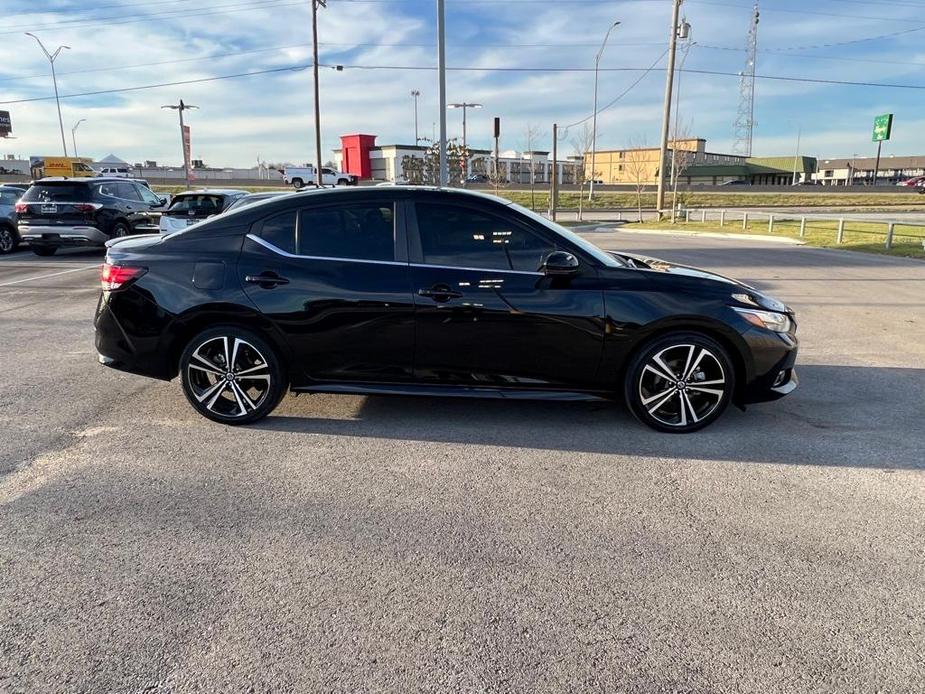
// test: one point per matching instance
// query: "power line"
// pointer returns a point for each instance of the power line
(297, 68)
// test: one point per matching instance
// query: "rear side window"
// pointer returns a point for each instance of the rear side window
(461, 237)
(57, 192)
(127, 191)
(360, 231)
(280, 231)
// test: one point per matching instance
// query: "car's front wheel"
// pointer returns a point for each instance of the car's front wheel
(680, 383)
(232, 376)
(297, 183)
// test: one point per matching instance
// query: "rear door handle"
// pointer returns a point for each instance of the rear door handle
(440, 292)
(266, 279)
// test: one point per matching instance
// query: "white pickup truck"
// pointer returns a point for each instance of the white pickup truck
(299, 177)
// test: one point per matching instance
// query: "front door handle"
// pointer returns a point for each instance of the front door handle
(440, 293)
(267, 280)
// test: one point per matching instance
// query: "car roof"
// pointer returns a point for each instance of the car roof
(82, 179)
(462, 193)
(212, 191)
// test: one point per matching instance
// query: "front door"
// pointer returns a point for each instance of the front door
(330, 279)
(485, 313)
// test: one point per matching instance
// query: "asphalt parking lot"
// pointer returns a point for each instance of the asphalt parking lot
(361, 544)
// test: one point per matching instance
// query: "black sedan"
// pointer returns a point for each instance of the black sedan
(434, 292)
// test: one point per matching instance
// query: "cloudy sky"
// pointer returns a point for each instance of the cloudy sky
(528, 61)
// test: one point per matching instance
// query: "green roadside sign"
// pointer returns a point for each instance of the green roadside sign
(883, 127)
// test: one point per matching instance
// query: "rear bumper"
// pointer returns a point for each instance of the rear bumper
(62, 235)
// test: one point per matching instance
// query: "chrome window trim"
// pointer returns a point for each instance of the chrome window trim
(287, 254)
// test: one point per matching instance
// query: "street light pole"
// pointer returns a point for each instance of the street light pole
(597, 65)
(415, 94)
(464, 105)
(74, 135)
(797, 157)
(181, 107)
(54, 78)
(666, 115)
(441, 88)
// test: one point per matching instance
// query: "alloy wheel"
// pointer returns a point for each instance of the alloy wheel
(682, 385)
(7, 240)
(229, 376)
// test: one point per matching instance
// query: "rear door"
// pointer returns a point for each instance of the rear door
(334, 278)
(486, 315)
(133, 208)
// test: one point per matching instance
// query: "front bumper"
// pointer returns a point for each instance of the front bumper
(778, 381)
(58, 236)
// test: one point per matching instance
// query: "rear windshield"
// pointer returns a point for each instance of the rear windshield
(200, 204)
(57, 192)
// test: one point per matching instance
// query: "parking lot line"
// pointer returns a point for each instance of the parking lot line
(51, 274)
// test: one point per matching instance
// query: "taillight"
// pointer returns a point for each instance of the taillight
(87, 206)
(113, 277)
(22, 207)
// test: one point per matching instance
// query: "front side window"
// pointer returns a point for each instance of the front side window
(358, 232)
(148, 195)
(461, 237)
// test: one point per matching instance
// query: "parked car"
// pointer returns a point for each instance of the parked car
(418, 290)
(116, 171)
(194, 206)
(63, 212)
(9, 233)
(918, 183)
(736, 182)
(253, 198)
(23, 187)
(301, 176)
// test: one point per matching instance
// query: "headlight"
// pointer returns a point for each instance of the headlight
(778, 322)
(761, 301)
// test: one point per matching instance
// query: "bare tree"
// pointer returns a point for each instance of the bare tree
(637, 166)
(681, 160)
(584, 173)
(532, 134)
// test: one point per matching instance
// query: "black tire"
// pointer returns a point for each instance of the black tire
(679, 404)
(244, 398)
(44, 251)
(297, 183)
(9, 240)
(120, 230)
(343, 182)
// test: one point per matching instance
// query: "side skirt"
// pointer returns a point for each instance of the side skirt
(452, 392)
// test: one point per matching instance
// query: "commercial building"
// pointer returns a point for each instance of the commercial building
(640, 166)
(860, 170)
(360, 155)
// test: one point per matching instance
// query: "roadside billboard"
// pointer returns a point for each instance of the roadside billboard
(6, 125)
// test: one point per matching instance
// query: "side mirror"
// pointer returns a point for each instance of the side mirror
(163, 201)
(559, 263)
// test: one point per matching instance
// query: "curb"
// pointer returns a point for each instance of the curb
(715, 235)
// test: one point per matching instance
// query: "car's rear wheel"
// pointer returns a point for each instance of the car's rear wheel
(120, 230)
(9, 240)
(680, 383)
(44, 251)
(297, 183)
(232, 376)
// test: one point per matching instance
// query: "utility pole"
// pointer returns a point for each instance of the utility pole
(318, 177)
(797, 157)
(441, 87)
(74, 135)
(675, 174)
(497, 133)
(554, 187)
(415, 94)
(666, 115)
(54, 78)
(181, 107)
(597, 65)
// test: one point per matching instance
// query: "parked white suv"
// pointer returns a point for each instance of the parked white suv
(116, 172)
(300, 176)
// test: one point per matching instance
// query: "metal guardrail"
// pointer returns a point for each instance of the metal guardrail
(726, 216)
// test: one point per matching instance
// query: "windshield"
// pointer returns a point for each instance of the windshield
(197, 203)
(601, 256)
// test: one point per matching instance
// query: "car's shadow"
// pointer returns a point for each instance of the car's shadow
(841, 416)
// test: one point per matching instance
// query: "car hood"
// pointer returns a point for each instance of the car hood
(649, 264)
